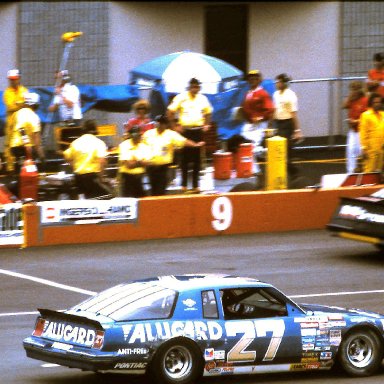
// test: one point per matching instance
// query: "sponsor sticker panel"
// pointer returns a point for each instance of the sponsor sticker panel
(11, 224)
(88, 211)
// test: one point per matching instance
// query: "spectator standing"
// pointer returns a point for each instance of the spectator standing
(258, 112)
(375, 81)
(356, 103)
(162, 142)
(141, 118)
(25, 137)
(87, 156)
(285, 117)
(67, 100)
(371, 128)
(194, 117)
(133, 158)
(13, 98)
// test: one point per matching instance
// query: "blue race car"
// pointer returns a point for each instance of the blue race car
(178, 328)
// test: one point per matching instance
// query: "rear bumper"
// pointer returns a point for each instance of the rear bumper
(73, 359)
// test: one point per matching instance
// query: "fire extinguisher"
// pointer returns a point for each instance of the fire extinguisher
(28, 178)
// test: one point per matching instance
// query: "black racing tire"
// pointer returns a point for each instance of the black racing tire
(360, 353)
(177, 361)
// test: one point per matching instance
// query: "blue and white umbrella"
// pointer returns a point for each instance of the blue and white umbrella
(176, 69)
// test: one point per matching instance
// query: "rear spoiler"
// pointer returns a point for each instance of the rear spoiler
(50, 314)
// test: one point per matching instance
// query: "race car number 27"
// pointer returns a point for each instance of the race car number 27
(252, 330)
(221, 210)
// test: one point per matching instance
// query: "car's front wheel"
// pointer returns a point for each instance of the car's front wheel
(361, 353)
(177, 361)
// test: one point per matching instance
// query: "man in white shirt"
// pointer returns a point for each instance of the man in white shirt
(285, 116)
(67, 100)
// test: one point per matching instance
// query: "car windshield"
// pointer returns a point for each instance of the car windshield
(137, 301)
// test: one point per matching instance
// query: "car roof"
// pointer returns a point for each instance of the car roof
(187, 282)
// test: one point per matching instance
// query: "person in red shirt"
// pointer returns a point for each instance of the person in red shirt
(141, 109)
(375, 80)
(356, 103)
(258, 112)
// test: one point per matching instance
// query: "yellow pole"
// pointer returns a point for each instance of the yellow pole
(276, 167)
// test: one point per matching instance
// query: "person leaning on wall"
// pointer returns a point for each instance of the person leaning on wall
(88, 157)
(162, 142)
(133, 158)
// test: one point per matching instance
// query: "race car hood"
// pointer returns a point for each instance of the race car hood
(324, 309)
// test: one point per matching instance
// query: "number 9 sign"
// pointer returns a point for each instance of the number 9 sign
(222, 213)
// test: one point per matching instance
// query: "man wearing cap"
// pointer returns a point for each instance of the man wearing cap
(13, 98)
(67, 100)
(25, 139)
(133, 158)
(141, 119)
(87, 156)
(258, 110)
(194, 116)
(162, 142)
(375, 79)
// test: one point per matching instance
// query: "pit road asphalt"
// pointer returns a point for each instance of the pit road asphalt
(309, 263)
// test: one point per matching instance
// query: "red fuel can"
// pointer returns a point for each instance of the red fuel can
(28, 180)
(222, 165)
(244, 160)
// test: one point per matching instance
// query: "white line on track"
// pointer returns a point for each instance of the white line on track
(18, 313)
(50, 365)
(47, 282)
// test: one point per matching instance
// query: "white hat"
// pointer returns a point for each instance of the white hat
(31, 98)
(13, 74)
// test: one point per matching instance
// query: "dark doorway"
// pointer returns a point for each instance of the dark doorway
(226, 33)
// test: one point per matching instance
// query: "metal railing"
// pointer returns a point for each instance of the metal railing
(332, 81)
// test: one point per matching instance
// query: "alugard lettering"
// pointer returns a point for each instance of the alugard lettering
(145, 332)
(69, 333)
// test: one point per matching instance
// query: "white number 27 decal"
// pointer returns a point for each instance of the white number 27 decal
(251, 330)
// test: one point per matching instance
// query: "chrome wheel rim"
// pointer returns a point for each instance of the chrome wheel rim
(360, 352)
(177, 362)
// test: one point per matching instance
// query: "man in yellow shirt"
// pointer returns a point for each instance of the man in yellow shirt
(194, 115)
(371, 128)
(162, 142)
(87, 156)
(13, 98)
(25, 138)
(133, 157)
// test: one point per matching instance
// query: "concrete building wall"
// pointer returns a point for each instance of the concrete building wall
(8, 47)
(302, 40)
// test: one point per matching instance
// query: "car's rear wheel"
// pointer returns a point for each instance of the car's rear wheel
(177, 361)
(361, 353)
